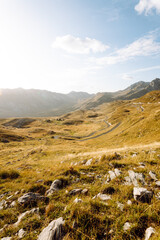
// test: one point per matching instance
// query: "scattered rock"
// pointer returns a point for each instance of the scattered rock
(120, 206)
(103, 197)
(89, 162)
(13, 204)
(142, 165)
(126, 226)
(54, 231)
(158, 196)
(31, 197)
(129, 202)
(133, 178)
(85, 191)
(77, 200)
(56, 186)
(117, 172)
(158, 183)
(3, 204)
(142, 195)
(153, 175)
(75, 191)
(21, 216)
(21, 233)
(149, 231)
(112, 175)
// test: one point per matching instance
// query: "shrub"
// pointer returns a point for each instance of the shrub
(9, 174)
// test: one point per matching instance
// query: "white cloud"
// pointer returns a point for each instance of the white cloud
(145, 46)
(146, 69)
(79, 46)
(147, 6)
(127, 77)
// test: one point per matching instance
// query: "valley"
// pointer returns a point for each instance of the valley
(81, 172)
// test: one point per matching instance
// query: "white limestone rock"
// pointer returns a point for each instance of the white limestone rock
(148, 233)
(21, 233)
(126, 226)
(54, 231)
(142, 194)
(153, 176)
(21, 216)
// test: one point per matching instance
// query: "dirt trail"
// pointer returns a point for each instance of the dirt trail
(122, 149)
(104, 133)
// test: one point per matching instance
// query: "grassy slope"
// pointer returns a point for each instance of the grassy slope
(39, 156)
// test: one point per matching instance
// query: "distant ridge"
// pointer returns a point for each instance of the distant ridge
(40, 103)
(136, 90)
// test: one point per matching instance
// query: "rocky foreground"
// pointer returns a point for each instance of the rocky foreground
(111, 197)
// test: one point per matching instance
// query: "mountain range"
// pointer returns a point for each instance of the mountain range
(38, 103)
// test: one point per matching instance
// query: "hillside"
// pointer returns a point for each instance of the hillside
(89, 174)
(41, 103)
(34, 103)
(134, 91)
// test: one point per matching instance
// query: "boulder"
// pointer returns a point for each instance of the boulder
(142, 195)
(54, 231)
(31, 197)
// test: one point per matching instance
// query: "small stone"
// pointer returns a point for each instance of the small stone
(89, 162)
(17, 192)
(85, 191)
(153, 175)
(112, 175)
(75, 191)
(77, 200)
(120, 206)
(3, 204)
(117, 172)
(21, 233)
(148, 233)
(158, 183)
(13, 204)
(126, 226)
(142, 195)
(103, 197)
(158, 195)
(129, 202)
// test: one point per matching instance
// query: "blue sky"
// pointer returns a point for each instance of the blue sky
(78, 45)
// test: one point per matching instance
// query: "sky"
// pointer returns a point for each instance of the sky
(78, 45)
